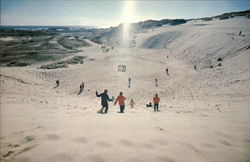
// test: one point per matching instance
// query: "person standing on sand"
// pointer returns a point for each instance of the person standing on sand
(129, 82)
(167, 71)
(132, 103)
(119, 68)
(156, 82)
(82, 86)
(121, 100)
(156, 100)
(104, 101)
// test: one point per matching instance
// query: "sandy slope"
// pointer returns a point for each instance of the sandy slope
(205, 114)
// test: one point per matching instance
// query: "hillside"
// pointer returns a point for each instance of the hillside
(204, 112)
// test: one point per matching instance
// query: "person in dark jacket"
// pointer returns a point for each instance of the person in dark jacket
(104, 100)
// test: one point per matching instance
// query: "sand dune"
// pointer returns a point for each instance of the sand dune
(204, 113)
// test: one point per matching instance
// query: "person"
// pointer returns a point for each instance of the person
(121, 100)
(119, 68)
(129, 82)
(156, 84)
(132, 103)
(167, 71)
(82, 86)
(57, 84)
(104, 100)
(123, 68)
(149, 105)
(240, 33)
(195, 67)
(156, 100)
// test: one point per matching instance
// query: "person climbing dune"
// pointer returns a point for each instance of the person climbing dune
(132, 103)
(121, 100)
(104, 101)
(129, 82)
(156, 82)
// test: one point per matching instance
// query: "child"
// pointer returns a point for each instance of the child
(132, 103)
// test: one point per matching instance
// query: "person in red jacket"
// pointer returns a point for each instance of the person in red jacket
(156, 100)
(121, 99)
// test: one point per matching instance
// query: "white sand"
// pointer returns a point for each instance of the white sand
(205, 114)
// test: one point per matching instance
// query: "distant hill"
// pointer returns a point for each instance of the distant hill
(110, 35)
(228, 15)
(106, 35)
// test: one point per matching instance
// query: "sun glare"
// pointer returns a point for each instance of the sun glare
(128, 16)
(128, 13)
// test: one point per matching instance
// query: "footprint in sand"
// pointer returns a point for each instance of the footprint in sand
(246, 141)
(103, 144)
(94, 158)
(194, 148)
(163, 159)
(208, 145)
(159, 141)
(61, 157)
(226, 143)
(126, 143)
(53, 137)
(80, 140)
(147, 145)
(134, 159)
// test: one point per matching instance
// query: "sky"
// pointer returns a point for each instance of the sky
(106, 13)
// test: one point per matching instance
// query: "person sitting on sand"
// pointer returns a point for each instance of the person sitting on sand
(149, 105)
(132, 103)
(57, 84)
(104, 101)
(156, 100)
(121, 100)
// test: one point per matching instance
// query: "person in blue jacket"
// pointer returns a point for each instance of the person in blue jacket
(104, 101)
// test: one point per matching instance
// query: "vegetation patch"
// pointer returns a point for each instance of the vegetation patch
(64, 63)
(22, 48)
(72, 42)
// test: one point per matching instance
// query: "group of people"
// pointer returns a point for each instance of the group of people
(121, 101)
(121, 68)
(81, 86)
(105, 49)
